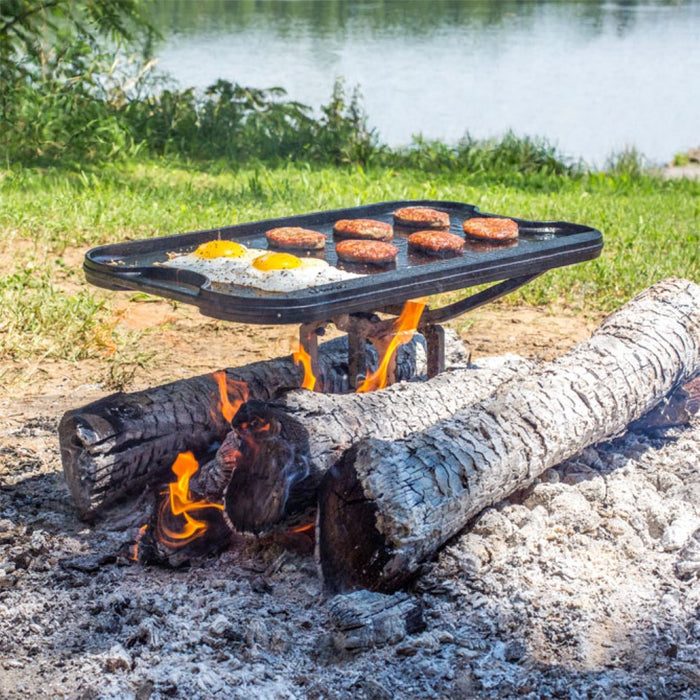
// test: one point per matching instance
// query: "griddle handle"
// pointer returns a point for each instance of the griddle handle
(447, 313)
(163, 280)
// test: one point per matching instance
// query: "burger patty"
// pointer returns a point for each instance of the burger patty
(440, 244)
(483, 245)
(295, 238)
(422, 217)
(368, 252)
(363, 229)
(492, 228)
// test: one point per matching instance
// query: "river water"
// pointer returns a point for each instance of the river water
(591, 77)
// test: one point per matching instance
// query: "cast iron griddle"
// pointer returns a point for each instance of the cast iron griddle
(541, 246)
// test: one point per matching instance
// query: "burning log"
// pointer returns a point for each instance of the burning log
(181, 529)
(277, 453)
(117, 445)
(385, 507)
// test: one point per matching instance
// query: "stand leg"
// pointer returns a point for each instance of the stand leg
(356, 358)
(435, 340)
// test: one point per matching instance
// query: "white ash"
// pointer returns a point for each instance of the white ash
(585, 585)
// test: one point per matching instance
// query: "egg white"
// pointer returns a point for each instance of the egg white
(216, 268)
(312, 272)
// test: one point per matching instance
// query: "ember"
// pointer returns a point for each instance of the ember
(139, 537)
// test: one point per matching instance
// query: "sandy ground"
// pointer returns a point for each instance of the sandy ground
(584, 586)
(691, 171)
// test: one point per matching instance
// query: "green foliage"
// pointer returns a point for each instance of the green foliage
(509, 155)
(60, 85)
(343, 134)
(40, 38)
(628, 162)
(69, 99)
(681, 159)
(241, 124)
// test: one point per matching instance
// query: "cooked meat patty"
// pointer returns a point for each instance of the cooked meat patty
(421, 217)
(295, 238)
(368, 252)
(491, 228)
(474, 245)
(363, 229)
(441, 244)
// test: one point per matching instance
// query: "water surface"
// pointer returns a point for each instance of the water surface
(592, 77)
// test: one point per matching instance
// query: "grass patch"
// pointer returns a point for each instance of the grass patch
(42, 320)
(651, 229)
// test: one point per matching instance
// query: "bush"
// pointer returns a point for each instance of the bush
(628, 162)
(57, 78)
(511, 154)
(242, 124)
(66, 98)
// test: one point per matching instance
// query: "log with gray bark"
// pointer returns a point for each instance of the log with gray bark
(387, 506)
(277, 453)
(117, 445)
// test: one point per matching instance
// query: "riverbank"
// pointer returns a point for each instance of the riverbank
(684, 166)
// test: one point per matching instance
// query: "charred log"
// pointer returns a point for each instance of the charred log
(385, 507)
(364, 619)
(115, 446)
(155, 546)
(278, 452)
(678, 408)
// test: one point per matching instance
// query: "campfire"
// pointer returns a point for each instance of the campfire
(420, 456)
(381, 444)
(184, 521)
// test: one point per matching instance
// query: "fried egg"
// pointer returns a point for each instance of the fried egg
(233, 263)
(218, 260)
(220, 249)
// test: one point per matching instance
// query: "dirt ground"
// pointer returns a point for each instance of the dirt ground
(586, 587)
(180, 342)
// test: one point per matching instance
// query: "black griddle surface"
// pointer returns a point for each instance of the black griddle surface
(542, 245)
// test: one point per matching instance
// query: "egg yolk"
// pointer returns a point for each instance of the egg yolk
(276, 261)
(220, 249)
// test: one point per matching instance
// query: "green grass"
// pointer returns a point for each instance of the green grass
(651, 229)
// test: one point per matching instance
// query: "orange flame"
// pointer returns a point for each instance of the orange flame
(303, 358)
(227, 407)
(180, 503)
(135, 549)
(403, 330)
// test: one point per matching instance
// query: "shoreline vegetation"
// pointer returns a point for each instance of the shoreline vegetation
(93, 151)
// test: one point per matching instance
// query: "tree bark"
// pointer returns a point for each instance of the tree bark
(115, 446)
(277, 453)
(385, 507)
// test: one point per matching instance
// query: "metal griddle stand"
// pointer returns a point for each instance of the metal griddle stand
(368, 326)
(352, 306)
